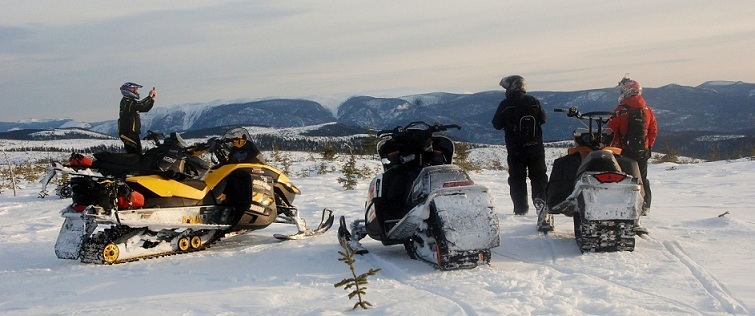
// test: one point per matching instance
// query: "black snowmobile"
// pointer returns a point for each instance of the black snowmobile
(424, 202)
(171, 158)
(596, 186)
(114, 220)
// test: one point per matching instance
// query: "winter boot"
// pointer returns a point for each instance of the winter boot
(638, 228)
(521, 207)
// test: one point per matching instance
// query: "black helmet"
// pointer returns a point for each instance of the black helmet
(128, 89)
(514, 83)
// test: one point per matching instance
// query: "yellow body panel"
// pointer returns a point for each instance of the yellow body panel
(168, 187)
(214, 176)
(172, 188)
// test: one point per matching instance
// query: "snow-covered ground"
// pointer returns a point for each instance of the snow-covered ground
(693, 262)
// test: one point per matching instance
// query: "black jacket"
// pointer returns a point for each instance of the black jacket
(128, 119)
(508, 117)
(248, 153)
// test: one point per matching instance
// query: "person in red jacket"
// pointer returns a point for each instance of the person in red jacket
(635, 130)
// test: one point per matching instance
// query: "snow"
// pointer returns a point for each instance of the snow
(716, 138)
(692, 262)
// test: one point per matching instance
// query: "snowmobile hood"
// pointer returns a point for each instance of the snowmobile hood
(214, 176)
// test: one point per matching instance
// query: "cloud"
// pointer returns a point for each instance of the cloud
(74, 54)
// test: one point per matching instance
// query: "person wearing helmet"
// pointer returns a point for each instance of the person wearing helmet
(238, 147)
(635, 130)
(521, 116)
(129, 122)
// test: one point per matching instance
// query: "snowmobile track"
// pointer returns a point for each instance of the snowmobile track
(92, 251)
(706, 280)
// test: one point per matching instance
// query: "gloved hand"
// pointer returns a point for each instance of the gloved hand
(572, 112)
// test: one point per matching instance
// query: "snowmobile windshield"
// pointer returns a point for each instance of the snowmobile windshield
(175, 140)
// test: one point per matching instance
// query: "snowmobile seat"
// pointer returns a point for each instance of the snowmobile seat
(562, 178)
(116, 158)
(599, 160)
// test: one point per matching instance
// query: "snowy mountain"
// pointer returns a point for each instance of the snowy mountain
(712, 109)
(696, 260)
(273, 113)
(43, 124)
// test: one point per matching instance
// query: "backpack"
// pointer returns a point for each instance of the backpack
(634, 142)
(526, 128)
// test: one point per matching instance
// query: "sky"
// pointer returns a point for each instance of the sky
(68, 58)
(693, 262)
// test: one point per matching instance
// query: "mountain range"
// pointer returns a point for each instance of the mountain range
(715, 113)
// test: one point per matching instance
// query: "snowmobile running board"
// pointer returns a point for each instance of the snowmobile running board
(325, 223)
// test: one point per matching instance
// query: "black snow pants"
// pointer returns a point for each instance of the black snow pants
(643, 164)
(238, 193)
(131, 143)
(524, 162)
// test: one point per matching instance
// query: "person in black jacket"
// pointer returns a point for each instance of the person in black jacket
(521, 116)
(238, 148)
(129, 122)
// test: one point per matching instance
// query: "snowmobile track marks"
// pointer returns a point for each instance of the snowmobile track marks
(390, 269)
(707, 281)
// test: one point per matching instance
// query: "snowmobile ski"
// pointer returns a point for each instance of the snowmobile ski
(348, 240)
(325, 224)
(544, 218)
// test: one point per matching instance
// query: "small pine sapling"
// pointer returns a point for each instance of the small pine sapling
(358, 282)
(350, 174)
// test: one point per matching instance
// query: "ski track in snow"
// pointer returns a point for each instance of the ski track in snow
(550, 252)
(394, 271)
(552, 264)
(714, 288)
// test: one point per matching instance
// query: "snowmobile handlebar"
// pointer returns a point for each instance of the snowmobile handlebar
(154, 137)
(596, 134)
(210, 145)
(595, 115)
(417, 125)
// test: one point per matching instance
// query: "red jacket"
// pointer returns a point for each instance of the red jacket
(619, 123)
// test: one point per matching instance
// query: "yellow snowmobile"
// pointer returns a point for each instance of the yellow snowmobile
(118, 220)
